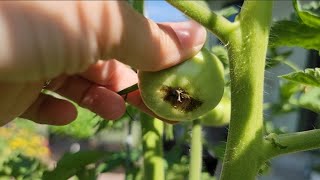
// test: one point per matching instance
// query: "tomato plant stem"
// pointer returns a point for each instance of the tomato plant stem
(152, 133)
(217, 24)
(196, 151)
(275, 145)
(247, 52)
(129, 89)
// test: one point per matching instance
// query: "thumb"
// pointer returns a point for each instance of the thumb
(145, 45)
(44, 39)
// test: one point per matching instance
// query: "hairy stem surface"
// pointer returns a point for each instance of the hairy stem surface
(247, 51)
(217, 24)
(276, 145)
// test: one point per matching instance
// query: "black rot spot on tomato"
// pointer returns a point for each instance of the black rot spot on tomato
(180, 99)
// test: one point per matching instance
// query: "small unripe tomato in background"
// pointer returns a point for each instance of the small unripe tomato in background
(219, 116)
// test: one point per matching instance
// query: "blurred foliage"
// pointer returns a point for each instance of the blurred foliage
(21, 167)
(222, 53)
(270, 128)
(310, 99)
(21, 140)
(180, 170)
(89, 124)
(275, 58)
(313, 7)
(67, 167)
(287, 98)
(84, 126)
(289, 32)
(23, 151)
(310, 16)
(91, 163)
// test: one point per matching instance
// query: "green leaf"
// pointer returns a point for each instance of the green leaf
(85, 125)
(313, 6)
(307, 17)
(87, 174)
(309, 77)
(178, 170)
(22, 167)
(288, 89)
(311, 100)
(70, 164)
(289, 33)
(275, 58)
(114, 161)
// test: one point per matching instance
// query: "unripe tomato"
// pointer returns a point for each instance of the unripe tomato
(219, 116)
(186, 91)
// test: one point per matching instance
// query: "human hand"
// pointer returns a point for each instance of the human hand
(44, 40)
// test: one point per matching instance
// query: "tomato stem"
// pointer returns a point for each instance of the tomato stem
(129, 89)
(217, 24)
(247, 52)
(152, 134)
(196, 151)
(275, 145)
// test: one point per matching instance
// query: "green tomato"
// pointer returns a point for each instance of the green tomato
(185, 91)
(220, 115)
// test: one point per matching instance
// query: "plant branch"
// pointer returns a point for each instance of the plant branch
(196, 151)
(217, 24)
(275, 145)
(152, 134)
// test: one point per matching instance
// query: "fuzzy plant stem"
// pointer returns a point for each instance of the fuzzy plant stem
(196, 151)
(276, 145)
(152, 134)
(247, 42)
(247, 52)
(215, 23)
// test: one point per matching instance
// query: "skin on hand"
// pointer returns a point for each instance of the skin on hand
(63, 41)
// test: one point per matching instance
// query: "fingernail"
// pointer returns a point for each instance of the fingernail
(190, 34)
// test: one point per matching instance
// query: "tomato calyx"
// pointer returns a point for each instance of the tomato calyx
(180, 98)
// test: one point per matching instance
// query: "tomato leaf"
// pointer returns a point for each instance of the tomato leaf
(83, 127)
(288, 89)
(70, 164)
(309, 77)
(311, 100)
(275, 57)
(290, 33)
(307, 17)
